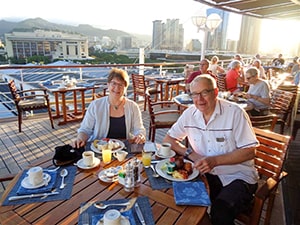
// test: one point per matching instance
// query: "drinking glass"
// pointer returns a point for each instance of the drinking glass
(146, 159)
(106, 155)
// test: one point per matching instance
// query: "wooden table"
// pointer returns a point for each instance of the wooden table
(87, 187)
(60, 100)
(165, 83)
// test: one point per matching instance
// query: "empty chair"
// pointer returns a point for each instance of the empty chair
(264, 122)
(29, 102)
(269, 159)
(140, 86)
(159, 117)
(281, 104)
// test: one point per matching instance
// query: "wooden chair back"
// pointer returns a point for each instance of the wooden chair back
(281, 104)
(221, 82)
(140, 86)
(29, 100)
(264, 122)
(269, 159)
(161, 117)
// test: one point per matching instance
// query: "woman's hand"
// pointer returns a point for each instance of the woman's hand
(139, 139)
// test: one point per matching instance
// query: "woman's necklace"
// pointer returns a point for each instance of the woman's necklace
(116, 107)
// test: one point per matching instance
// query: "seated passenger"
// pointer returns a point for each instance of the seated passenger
(233, 77)
(258, 94)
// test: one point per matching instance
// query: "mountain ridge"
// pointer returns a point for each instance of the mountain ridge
(32, 24)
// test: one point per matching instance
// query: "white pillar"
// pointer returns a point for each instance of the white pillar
(141, 61)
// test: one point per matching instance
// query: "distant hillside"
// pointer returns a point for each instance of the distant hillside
(38, 23)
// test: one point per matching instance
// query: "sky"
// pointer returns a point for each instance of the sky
(136, 16)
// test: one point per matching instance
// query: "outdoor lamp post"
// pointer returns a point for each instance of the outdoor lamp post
(206, 24)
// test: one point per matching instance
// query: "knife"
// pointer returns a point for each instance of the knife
(139, 214)
(12, 198)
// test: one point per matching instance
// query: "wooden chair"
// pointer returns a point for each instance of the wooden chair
(282, 103)
(29, 102)
(140, 87)
(264, 122)
(159, 117)
(221, 82)
(269, 159)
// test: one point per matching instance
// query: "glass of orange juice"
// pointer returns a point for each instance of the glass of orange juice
(146, 159)
(106, 155)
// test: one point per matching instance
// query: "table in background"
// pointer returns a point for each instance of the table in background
(165, 83)
(87, 187)
(77, 112)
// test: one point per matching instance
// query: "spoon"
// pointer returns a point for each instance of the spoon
(154, 174)
(63, 174)
(101, 205)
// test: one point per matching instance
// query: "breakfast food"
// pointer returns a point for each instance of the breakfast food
(178, 168)
(106, 143)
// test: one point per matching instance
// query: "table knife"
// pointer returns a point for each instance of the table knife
(139, 214)
(12, 198)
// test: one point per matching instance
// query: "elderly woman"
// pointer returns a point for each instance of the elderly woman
(233, 77)
(258, 94)
(113, 116)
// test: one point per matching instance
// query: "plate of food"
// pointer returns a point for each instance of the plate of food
(114, 144)
(182, 169)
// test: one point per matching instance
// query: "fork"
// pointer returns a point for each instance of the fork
(85, 219)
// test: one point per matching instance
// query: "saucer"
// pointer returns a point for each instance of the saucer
(25, 182)
(109, 175)
(124, 221)
(172, 154)
(82, 166)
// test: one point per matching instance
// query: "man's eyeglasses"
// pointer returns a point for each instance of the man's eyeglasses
(248, 78)
(115, 84)
(203, 94)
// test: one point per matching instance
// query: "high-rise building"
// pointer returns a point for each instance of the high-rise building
(167, 36)
(249, 35)
(216, 41)
(56, 45)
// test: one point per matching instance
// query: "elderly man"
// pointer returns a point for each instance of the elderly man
(258, 94)
(223, 147)
(203, 69)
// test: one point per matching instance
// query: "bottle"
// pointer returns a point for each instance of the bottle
(136, 172)
(129, 178)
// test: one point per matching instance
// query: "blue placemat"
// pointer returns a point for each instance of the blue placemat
(24, 191)
(96, 214)
(63, 193)
(191, 193)
(157, 182)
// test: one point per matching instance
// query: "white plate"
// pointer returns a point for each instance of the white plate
(25, 182)
(113, 171)
(82, 166)
(121, 146)
(172, 154)
(163, 173)
(124, 221)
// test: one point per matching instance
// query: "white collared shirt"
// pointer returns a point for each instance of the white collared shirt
(228, 129)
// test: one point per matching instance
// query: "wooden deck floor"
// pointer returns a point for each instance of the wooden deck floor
(38, 139)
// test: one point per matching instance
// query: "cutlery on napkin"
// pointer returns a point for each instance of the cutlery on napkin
(18, 197)
(139, 214)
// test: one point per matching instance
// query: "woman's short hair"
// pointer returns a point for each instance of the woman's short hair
(120, 74)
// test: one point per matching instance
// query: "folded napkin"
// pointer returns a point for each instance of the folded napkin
(23, 191)
(191, 193)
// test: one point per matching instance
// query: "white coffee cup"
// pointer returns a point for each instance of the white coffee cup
(120, 155)
(88, 158)
(112, 217)
(35, 175)
(165, 149)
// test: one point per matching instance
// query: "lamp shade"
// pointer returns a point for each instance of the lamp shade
(213, 21)
(199, 21)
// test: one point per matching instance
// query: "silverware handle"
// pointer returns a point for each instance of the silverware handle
(12, 198)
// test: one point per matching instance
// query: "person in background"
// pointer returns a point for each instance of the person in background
(214, 67)
(258, 95)
(296, 66)
(238, 57)
(297, 73)
(279, 61)
(203, 69)
(262, 73)
(113, 116)
(222, 144)
(233, 77)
